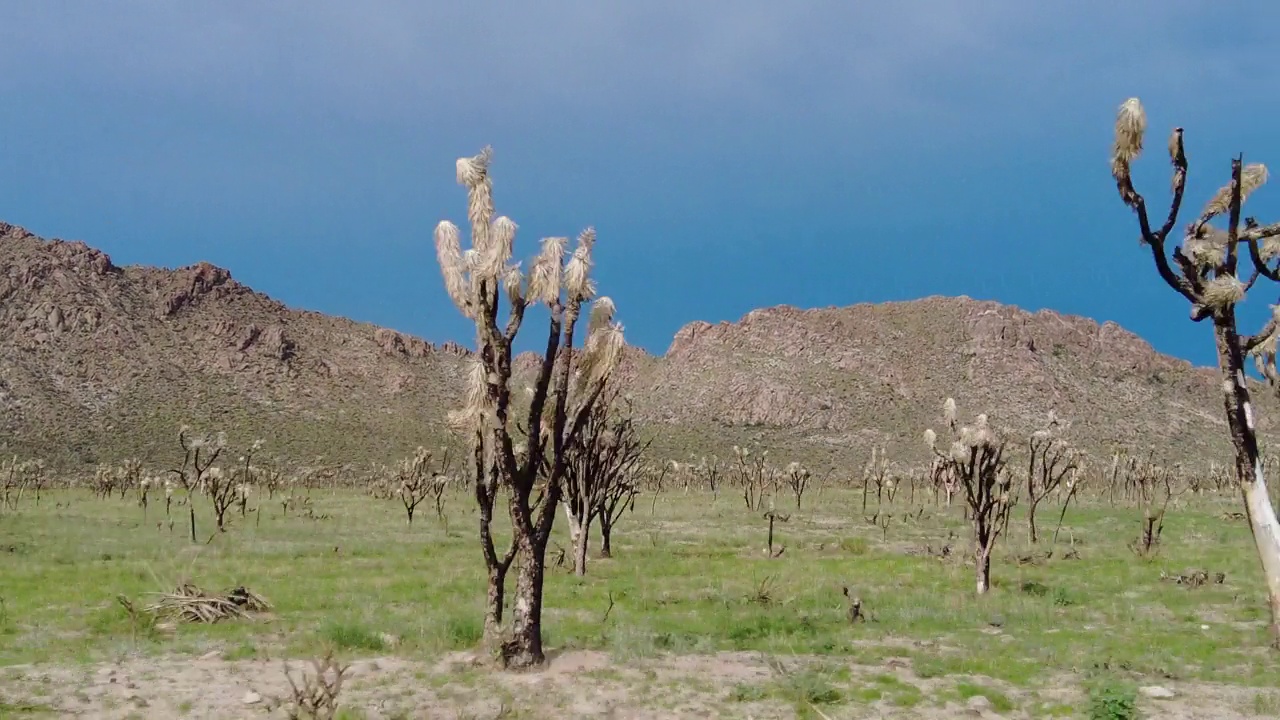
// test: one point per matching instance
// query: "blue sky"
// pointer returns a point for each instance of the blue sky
(731, 156)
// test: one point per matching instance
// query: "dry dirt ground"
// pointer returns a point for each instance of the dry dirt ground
(579, 684)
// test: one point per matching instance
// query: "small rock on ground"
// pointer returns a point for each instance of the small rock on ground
(1155, 692)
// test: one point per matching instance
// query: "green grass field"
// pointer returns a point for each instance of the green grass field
(689, 583)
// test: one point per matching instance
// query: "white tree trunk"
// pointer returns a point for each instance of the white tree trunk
(1266, 536)
(577, 541)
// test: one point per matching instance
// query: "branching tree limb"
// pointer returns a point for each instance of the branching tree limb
(1208, 277)
(1050, 461)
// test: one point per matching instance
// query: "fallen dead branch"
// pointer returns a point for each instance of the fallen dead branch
(188, 603)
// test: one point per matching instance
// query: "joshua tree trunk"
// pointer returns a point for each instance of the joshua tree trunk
(580, 555)
(982, 568)
(493, 606)
(524, 649)
(606, 536)
(579, 532)
(1253, 486)
(485, 487)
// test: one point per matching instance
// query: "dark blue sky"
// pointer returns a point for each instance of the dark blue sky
(730, 155)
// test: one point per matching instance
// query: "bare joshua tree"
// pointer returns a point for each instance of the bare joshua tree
(876, 472)
(798, 477)
(199, 453)
(709, 471)
(600, 477)
(422, 476)
(567, 385)
(755, 476)
(1049, 462)
(976, 458)
(1208, 275)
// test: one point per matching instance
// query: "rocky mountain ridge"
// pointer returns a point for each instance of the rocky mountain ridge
(99, 362)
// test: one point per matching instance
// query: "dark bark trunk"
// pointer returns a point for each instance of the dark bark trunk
(493, 607)
(606, 536)
(1031, 520)
(524, 649)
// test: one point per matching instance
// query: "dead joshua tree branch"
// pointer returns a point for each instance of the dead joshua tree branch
(655, 479)
(773, 517)
(199, 454)
(144, 490)
(271, 477)
(976, 457)
(224, 489)
(874, 474)
(33, 477)
(1050, 461)
(709, 472)
(754, 475)
(942, 479)
(600, 476)
(420, 477)
(1156, 488)
(1208, 277)
(797, 477)
(567, 385)
(619, 498)
(1073, 487)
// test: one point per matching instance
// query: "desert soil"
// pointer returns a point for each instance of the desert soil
(579, 684)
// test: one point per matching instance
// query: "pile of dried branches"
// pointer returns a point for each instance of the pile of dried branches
(189, 603)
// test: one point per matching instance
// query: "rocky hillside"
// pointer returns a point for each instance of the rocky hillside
(98, 362)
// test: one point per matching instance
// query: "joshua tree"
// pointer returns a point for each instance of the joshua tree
(618, 498)
(976, 458)
(709, 471)
(567, 385)
(1208, 276)
(875, 473)
(1050, 462)
(754, 475)
(199, 454)
(600, 477)
(798, 477)
(419, 478)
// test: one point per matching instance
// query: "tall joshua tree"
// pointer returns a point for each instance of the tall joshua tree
(567, 385)
(1205, 270)
(976, 458)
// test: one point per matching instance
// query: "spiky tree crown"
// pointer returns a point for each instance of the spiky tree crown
(972, 446)
(477, 277)
(1207, 261)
